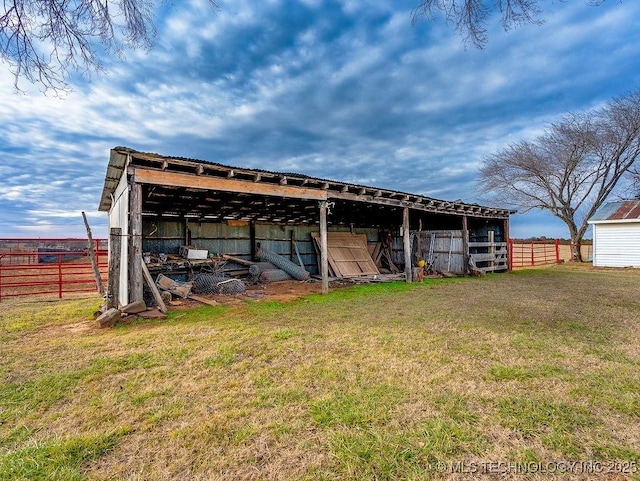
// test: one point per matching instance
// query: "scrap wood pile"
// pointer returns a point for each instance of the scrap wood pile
(126, 314)
(187, 263)
(209, 275)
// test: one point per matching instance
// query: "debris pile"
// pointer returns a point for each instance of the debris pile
(127, 313)
(215, 284)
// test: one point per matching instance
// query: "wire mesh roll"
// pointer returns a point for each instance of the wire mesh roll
(259, 267)
(213, 284)
(274, 275)
(286, 265)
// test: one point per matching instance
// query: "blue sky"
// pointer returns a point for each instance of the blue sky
(350, 91)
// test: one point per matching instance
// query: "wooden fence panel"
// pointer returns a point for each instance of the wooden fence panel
(443, 249)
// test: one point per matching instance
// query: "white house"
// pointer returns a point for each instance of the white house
(616, 234)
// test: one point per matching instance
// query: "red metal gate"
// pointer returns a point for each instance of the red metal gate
(49, 266)
(533, 253)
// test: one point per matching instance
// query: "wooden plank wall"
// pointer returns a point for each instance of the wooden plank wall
(447, 249)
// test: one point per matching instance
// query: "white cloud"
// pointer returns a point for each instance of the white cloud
(352, 92)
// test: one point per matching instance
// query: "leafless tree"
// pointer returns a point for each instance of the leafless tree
(572, 168)
(470, 16)
(42, 41)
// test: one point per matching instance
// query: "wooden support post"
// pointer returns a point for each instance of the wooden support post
(252, 235)
(92, 256)
(465, 244)
(324, 256)
(492, 248)
(418, 255)
(187, 233)
(406, 238)
(505, 238)
(135, 244)
(113, 281)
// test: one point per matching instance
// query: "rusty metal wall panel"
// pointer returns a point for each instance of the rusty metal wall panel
(277, 238)
(167, 235)
(162, 235)
(221, 238)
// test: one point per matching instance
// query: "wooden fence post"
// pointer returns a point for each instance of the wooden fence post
(557, 251)
(92, 256)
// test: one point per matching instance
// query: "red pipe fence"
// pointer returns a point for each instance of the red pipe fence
(49, 266)
(533, 253)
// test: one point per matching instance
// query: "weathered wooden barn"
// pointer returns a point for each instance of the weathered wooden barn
(616, 234)
(157, 204)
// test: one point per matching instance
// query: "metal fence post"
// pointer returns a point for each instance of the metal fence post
(510, 253)
(59, 276)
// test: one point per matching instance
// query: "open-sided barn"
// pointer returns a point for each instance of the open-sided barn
(158, 204)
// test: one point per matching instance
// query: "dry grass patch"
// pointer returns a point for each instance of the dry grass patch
(374, 382)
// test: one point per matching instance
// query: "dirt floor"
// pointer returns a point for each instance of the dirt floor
(281, 291)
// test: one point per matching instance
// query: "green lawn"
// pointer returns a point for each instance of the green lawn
(530, 371)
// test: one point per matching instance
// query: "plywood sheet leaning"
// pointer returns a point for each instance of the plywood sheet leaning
(348, 254)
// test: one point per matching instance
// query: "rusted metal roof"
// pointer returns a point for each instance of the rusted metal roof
(205, 189)
(623, 211)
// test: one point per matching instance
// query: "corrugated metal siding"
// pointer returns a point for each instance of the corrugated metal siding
(119, 217)
(626, 209)
(277, 238)
(164, 236)
(221, 238)
(167, 235)
(616, 245)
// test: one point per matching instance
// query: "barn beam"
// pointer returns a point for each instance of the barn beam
(173, 179)
(431, 207)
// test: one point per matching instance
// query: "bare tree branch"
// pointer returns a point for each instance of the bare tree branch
(572, 168)
(43, 40)
(470, 17)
